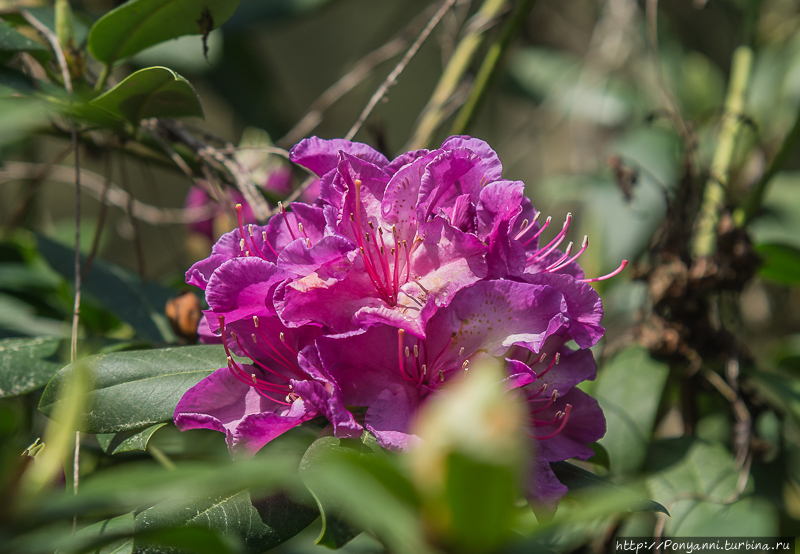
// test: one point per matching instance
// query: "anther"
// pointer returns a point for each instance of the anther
(558, 357)
(255, 381)
(308, 243)
(241, 244)
(461, 351)
(283, 338)
(424, 369)
(352, 217)
(441, 376)
(465, 364)
(371, 226)
(416, 351)
(407, 352)
(300, 226)
(524, 225)
(255, 320)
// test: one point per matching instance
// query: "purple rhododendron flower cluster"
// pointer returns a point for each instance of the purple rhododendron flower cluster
(393, 282)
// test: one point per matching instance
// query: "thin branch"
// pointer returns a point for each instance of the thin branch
(76, 310)
(392, 77)
(432, 115)
(101, 219)
(54, 44)
(95, 183)
(137, 236)
(348, 82)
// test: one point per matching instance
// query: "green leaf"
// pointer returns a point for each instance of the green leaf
(481, 499)
(781, 263)
(13, 82)
(781, 391)
(12, 42)
(138, 24)
(629, 390)
(260, 523)
(122, 292)
(357, 481)
(134, 389)
(127, 441)
(700, 492)
(26, 364)
(20, 116)
(578, 480)
(151, 92)
(121, 525)
(335, 532)
(600, 457)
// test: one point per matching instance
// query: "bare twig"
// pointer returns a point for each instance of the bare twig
(73, 353)
(35, 182)
(347, 82)
(95, 183)
(395, 73)
(101, 219)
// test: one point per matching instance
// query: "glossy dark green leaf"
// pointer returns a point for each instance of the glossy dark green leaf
(122, 292)
(151, 92)
(12, 42)
(629, 389)
(127, 441)
(138, 24)
(132, 390)
(27, 364)
(578, 480)
(781, 263)
(259, 523)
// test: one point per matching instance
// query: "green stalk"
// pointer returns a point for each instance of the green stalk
(432, 114)
(488, 68)
(704, 240)
(746, 213)
(101, 80)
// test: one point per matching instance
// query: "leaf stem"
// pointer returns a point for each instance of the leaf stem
(488, 68)
(101, 80)
(704, 240)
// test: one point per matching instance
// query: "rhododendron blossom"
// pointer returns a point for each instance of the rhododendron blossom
(401, 276)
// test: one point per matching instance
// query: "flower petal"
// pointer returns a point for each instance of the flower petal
(244, 287)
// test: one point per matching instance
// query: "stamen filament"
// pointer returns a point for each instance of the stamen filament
(609, 275)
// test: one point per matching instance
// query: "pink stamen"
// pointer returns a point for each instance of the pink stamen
(553, 244)
(539, 232)
(286, 220)
(564, 420)
(554, 361)
(567, 252)
(266, 241)
(584, 246)
(400, 361)
(549, 402)
(609, 275)
(287, 363)
(526, 226)
(240, 219)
